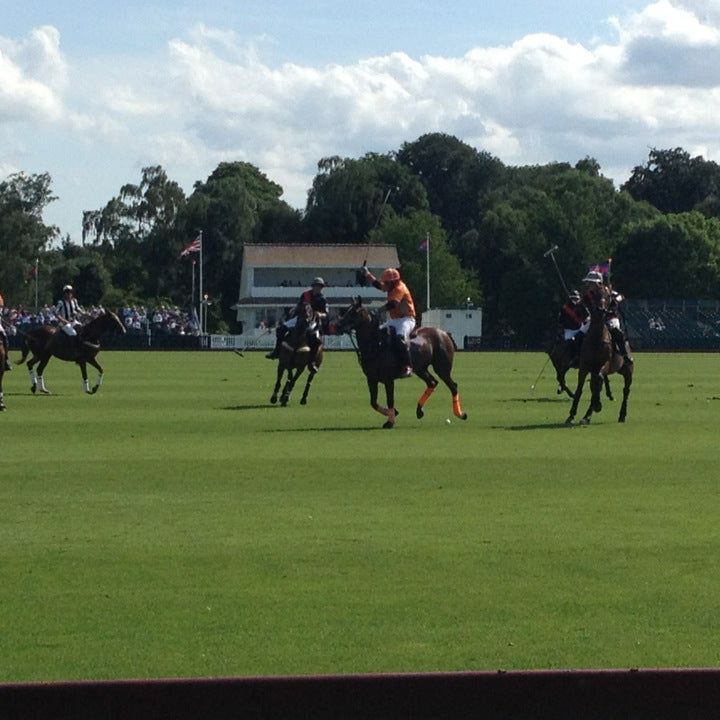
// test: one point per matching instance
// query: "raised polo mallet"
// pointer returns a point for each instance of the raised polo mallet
(551, 254)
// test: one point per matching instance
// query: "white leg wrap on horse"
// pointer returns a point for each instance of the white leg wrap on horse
(41, 381)
(99, 379)
(33, 375)
(86, 385)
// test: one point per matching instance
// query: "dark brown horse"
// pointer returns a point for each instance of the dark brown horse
(598, 359)
(562, 360)
(295, 356)
(48, 341)
(2, 372)
(429, 346)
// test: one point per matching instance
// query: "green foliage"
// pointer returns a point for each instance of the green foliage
(450, 285)
(349, 198)
(674, 182)
(670, 256)
(455, 175)
(23, 235)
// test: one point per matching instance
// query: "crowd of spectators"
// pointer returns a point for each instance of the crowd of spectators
(168, 320)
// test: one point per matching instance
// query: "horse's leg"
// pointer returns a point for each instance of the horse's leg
(582, 374)
(83, 372)
(289, 385)
(101, 372)
(608, 390)
(443, 370)
(431, 384)
(390, 395)
(627, 373)
(40, 379)
(596, 383)
(280, 371)
(311, 376)
(560, 374)
(31, 372)
(2, 394)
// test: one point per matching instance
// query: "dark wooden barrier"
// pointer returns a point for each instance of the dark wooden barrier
(580, 695)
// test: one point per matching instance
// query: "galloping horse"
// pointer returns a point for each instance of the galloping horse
(429, 346)
(598, 358)
(562, 362)
(46, 341)
(295, 356)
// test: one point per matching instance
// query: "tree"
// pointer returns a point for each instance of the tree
(234, 206)
(674, 182)
(349, 198)
(23, 235)
(451, 286)
(456, 177)
(670, 256)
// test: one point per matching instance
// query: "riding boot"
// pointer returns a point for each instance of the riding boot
(314, 343)
(8, 366)
(621, 343)
(280, 333)
(403, 350)
(571, 348)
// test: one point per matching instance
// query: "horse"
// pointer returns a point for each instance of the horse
(48, 341)
(562, 361)
(428, 346)
(599, 358)
(2, 372)
(295, 356)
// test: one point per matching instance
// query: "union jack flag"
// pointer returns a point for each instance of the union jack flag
(194, 246)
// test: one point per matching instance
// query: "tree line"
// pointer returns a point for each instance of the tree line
(489, 226)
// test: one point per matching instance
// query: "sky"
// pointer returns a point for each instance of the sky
(93, 91)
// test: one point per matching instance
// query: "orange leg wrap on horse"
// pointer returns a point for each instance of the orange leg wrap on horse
(391, 415)
(382, 410)
(457, 410)
(426, 396)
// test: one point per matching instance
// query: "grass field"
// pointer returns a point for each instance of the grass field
(176, 524)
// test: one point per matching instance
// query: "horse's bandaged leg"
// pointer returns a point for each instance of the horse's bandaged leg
(33, 375)
(99, 380)
(457, 410)
(86, 385)
(41, 382)
(382, 410)
(391, 415)
(426, 396)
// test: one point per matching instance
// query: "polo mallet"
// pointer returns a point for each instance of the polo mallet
(540, 374)
(551, 253)
(360, 276)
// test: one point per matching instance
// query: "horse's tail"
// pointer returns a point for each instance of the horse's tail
(25, 349)
(452, 340)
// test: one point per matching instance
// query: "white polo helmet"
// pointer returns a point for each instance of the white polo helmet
(67, 287)
(594, 277)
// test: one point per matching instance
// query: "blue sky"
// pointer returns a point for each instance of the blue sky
(94, 91)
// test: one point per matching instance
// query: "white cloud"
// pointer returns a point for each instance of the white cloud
(211, 97)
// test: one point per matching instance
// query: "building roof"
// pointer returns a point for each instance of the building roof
(320, 256)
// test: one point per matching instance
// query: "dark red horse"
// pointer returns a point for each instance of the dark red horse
(599, 358)
(428, 347)
(48, 341)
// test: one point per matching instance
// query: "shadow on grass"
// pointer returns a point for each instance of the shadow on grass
(266, 406)
(563, 399)
(323, 429)
(536, 426)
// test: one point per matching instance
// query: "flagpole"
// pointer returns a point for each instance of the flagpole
(200, 284)
(427, 268)
(192, 292)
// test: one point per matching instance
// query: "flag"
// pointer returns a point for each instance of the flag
(602, 268)
(194, 246)
(424, 245)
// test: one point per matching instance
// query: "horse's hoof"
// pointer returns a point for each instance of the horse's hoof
(584, 421)
(463, 416)
(33, 388)
(419, 413)
(2, 407)
(622, 419)
(273, 399)
(388, 425)
(95, 389)
(44, 392)
(569, 421)
(283, 402)
(303, 401)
